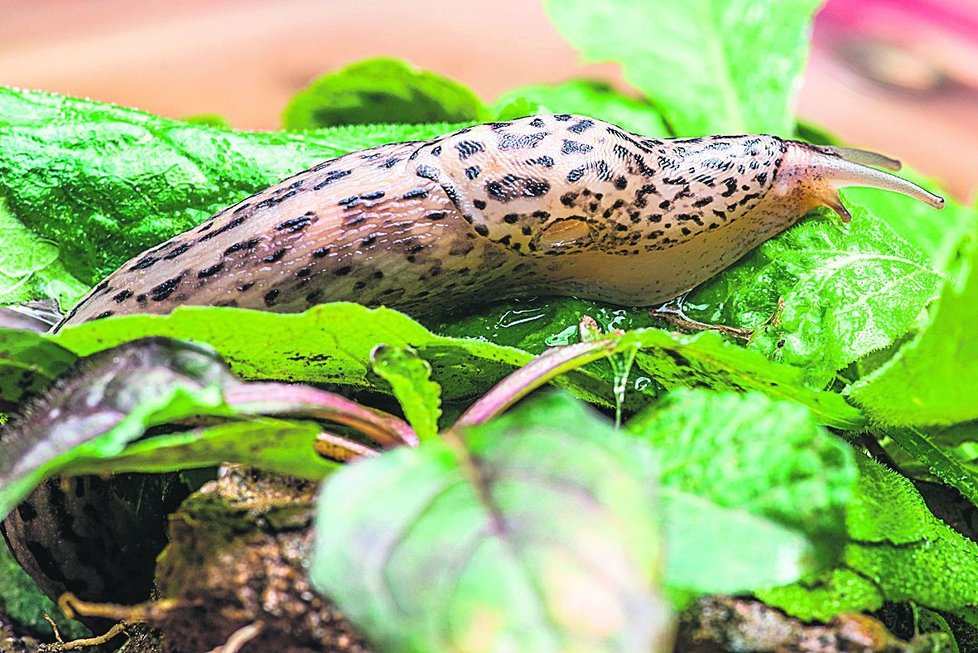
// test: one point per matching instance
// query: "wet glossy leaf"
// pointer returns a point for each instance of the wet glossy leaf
(29, 363)
(922, 383)
(848, 290)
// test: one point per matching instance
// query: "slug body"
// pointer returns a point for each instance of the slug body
(553, 204)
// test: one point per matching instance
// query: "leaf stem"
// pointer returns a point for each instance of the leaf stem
(540, 370)
(304, 401)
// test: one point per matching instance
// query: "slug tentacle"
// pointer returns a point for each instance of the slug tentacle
(821, 171)
(550, 204)
(863, 157)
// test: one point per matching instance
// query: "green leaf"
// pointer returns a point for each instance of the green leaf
(108, 401)
(592, 98)
(23, 602)
(89, 185)
(29, 363)
(410, 379)
(711, 66)
(31, 266)
(847, 290)
(898, 551)
(939, 461)
(546, 539)
(936, 234)
(328, 344)
(925, 382)
(706, 360)
(331, 343)
(285, 447)
(746, 480)
(381, 91)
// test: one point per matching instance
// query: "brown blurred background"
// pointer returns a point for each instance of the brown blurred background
(900, 76)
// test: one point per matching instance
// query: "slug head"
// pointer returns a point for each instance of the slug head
(811, 176)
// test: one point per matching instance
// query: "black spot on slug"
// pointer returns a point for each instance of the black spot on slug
(417, 193)
(245, 244)
(271, 296)
(473, 172)
(574, 147)
(479, 204)
(436, 215)
(275, 256)
(343, 271)
(330, 178)
(375, 195)
(426, 172)
(293, 225)
(165, 289)
(178, 251)
(467, 149)
(122, 295)
(210, 271)
(545, 161)
(581, 126)
(237, 222)
(145, 263)
(520, 141)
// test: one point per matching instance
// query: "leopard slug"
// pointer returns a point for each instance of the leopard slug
(549, 204)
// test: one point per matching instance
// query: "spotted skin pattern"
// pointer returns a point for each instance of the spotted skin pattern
(551, 204)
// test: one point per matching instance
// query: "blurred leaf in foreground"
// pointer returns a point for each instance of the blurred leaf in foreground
(383, 90)
(546, 539)
(592, 98)
(711, 66)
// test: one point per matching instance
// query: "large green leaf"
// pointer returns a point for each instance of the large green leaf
(935, 234)
(746, 480)
(332, 343)
(376, 91)
(928, 381)
(711, 66)
(522, 534)
(88, 185)
(592, 98)
(898, 551)
(847, 290)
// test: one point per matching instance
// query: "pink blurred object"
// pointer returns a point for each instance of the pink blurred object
(903, 78)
